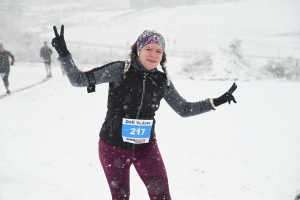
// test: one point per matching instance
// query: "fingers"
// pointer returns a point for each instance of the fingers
(62, 30)
(231, 98)
(54, 44)
(233, 88)
(55, 31)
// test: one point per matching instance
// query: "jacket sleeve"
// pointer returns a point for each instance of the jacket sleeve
(11, 56)
(108, 73)
(184, 108)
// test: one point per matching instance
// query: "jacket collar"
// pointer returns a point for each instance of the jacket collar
(136, 63)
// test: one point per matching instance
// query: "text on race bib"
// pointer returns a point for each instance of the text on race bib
(136, 131)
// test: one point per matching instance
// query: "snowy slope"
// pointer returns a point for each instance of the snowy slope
(249, 150)
(267, 30)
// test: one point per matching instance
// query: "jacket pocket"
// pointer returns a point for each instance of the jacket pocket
(113, 123)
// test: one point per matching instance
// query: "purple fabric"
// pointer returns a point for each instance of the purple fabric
(150, 37)
(148, 163)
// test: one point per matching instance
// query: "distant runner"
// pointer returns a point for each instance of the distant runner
(5, 66)
(45, 53)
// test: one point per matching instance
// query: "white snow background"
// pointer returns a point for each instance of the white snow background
(249, 150)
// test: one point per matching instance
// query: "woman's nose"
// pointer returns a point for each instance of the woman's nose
(153, 54)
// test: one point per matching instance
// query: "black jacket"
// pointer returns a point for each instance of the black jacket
(129, 98)
(45, 53)
(4, 60)
(138, 96)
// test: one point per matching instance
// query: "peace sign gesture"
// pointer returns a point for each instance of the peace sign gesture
(226, 97)
(59, 42)
(230, 91)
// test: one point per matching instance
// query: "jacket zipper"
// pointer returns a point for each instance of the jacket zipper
(143, 94)
(140, 108)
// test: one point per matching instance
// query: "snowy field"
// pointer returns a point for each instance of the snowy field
(24, 75)
(249, 150)
(268, 28)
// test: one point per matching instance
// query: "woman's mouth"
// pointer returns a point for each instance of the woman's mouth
(152, 61)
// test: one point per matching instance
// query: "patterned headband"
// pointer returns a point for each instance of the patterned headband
(150, 37)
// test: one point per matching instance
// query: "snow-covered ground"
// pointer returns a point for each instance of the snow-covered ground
(24, 75)
(266, 28)
(249, 150)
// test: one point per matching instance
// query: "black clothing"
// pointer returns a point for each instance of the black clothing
(4, 61)
(5, 78)
(59, 42)
(226, 97)
(45, 53)
(47, 61)
(130, 98)
(138, 96)
(4, 65)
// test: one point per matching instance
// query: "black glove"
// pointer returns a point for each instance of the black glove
(12, 62)
(226, 97)
(59, 42)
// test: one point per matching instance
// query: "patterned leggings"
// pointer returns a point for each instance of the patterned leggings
(5, 78)
(148, 163)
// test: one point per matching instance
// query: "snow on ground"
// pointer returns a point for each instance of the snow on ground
(195, 28)
(267, 30)
(249, 150)
(31, 74)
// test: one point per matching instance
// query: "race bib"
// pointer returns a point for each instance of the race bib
(136, 131)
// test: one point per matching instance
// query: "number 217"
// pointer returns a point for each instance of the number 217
(137, 131)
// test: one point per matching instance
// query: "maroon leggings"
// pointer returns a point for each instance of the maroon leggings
(148, 163)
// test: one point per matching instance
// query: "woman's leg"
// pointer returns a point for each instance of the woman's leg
(151, 169)
(6, 82)
(116, 165)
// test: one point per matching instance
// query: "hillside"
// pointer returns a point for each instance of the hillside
(215, 40)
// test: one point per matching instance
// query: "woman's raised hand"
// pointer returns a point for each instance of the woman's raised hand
(226, 97)
(59, 42)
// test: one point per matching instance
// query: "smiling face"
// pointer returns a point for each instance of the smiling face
(151, 55)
